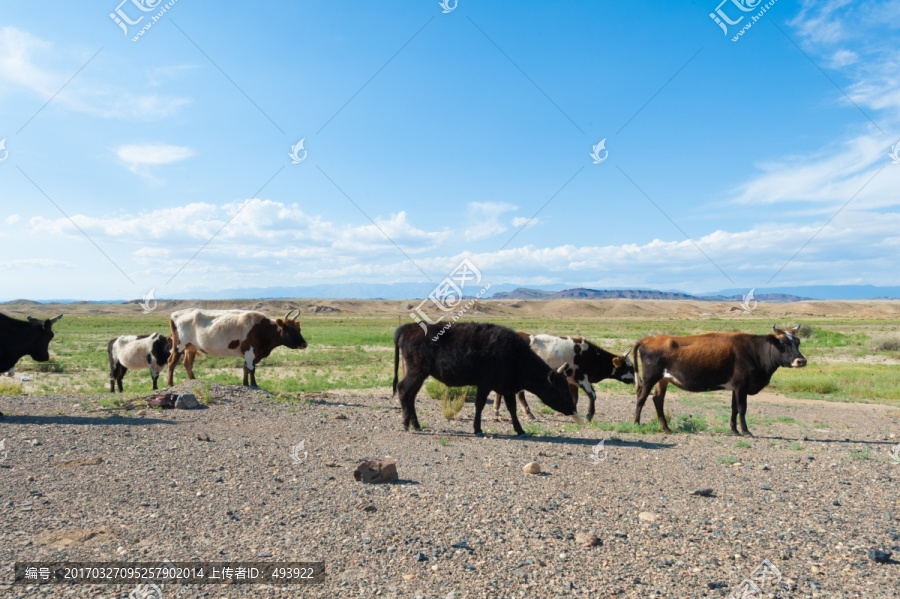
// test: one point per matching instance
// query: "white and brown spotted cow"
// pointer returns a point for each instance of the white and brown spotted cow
(230, 333)
(587, 363)
(137, 351)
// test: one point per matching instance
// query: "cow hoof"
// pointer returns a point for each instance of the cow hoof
(589, 417)
(522, 436)
(479, 434)
(734, 431)
(530, 416)
(748, 433)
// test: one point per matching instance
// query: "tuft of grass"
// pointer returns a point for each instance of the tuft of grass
(742, 443)
(861, 454)
(537, 430)
(452, 398)
(727, 459)
(795, 446)
(205, 395)
(443, 442)
(52, 366)
(11, 388)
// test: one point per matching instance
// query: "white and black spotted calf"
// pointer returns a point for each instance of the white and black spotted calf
(587, 362)
(137, 351)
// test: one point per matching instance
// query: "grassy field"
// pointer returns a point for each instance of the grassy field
(849, 360)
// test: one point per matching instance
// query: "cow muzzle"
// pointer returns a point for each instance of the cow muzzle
(798, 363)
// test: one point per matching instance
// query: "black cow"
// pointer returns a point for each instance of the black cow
(738, 362)
(487, 356)
(20, 338)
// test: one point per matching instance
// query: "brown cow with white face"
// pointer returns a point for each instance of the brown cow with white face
(230, 333)
(739, 362)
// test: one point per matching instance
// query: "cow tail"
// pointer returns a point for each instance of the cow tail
(637, 362)
(396, 361)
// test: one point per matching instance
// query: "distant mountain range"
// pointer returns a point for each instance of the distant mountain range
(640, 294)
(412, 291)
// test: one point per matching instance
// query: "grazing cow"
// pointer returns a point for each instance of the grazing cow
(587, 362)
(20, 338)
(137, 351)
(490, 357)
(739, 362)
(230, 333)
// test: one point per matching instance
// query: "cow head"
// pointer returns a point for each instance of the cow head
(289, 331)
(623, 368)
(39, 348)
(787, 344)
(560, 397)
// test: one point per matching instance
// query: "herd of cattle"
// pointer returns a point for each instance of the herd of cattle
(487, 356)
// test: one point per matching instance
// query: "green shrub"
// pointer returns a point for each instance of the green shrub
(452, 398)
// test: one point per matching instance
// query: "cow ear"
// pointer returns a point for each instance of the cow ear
(280, 323)
(617, 362)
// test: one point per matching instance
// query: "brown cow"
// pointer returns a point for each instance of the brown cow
(739, 362)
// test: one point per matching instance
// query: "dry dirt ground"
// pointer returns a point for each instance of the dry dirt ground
(463, 520)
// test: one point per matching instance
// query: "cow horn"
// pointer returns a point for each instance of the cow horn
(797, 328)
(33, 319)
(774, 328)
(627, 351)
(288, 315)
(562, 368)
(52, 320)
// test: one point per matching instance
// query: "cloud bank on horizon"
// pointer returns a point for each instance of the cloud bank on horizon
(167, 162)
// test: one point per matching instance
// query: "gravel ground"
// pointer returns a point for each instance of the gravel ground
(464, 520)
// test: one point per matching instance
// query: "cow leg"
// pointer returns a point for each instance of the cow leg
(408, 388)
(189, 355)
(481, 395)
(643, 393)
(497, 405)
(742, 406)
(735, 408)
(249, 366)
(521, 397)
(112, 378)
(154, 374)
(511, 406)
(120, 374)
(659, 401)
(589, 389)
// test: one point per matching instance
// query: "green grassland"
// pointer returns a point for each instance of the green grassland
(356, 352)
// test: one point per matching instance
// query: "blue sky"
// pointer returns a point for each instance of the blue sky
(450, 131)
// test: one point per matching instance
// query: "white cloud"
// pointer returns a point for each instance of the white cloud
(23, 65)
(484, 219)
(138, 157)
(12, 219)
